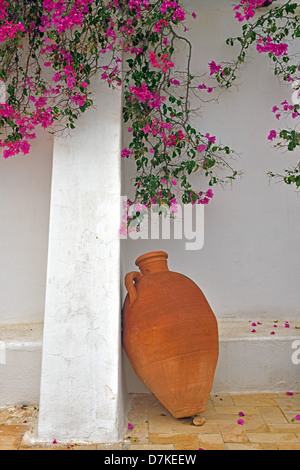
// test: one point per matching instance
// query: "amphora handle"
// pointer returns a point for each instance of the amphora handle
(130, 280)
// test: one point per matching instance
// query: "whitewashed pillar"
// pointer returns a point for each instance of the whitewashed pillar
(81, 393)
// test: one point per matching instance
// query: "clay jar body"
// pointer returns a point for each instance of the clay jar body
(170, 335)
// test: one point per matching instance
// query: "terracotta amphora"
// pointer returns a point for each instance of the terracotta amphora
(170, 335)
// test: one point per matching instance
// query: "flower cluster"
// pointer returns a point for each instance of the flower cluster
(142, 93)
(157, 127)
(9, 30)
(286, 108)
(162, 62)
(267, 45)
(272, 33)
(3, 5)
(178, 13)
(56, 14)
(123, 42)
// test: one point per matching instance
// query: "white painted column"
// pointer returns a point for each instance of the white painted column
(81, 394)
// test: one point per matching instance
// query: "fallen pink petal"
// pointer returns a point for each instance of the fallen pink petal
(241, 422)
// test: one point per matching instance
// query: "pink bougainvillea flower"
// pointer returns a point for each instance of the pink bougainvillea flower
(248, 7)
(287, 325)
(297, 417)
(56, 77)
(203, 201)
(253, 331)
(272, 333)
(241, 414)
(174, 182)
(161, 62)
(289, 394)
(272, 135)
(78, 99)
(241, 422)
(125, 152)
(254, 324)
(160, 24)
(271, 47)
(129, 427)
(210, 138)
(214, 68)
(54, 441)
(174, 81)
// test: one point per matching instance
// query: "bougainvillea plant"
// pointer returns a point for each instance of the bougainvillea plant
(275, 33)
(53, 50)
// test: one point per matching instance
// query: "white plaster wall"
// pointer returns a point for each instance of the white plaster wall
(249, 265)
(24, 224)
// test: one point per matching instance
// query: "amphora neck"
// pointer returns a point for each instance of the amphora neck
(153, 262)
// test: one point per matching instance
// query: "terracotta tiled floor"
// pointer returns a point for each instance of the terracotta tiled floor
(269, 424)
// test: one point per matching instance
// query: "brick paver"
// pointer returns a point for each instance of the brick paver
(268, 424)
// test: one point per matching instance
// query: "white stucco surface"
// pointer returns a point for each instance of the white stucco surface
(248, 362)
(81, 379)
(20, 367)
(248, 265)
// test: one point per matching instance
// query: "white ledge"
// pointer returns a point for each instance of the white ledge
(18, 336)
(249, 362)
(242, 330)
(22, 336)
